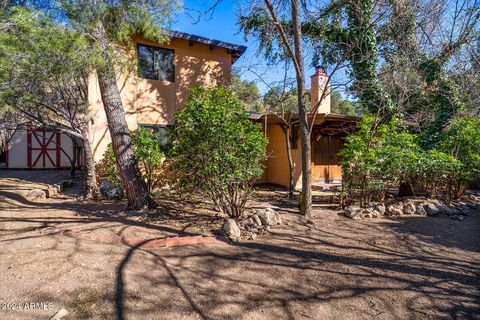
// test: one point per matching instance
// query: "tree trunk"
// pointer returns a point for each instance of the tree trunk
(73, 159)
(134, 185)
(89, 175)
(287, 130)
(306, 202)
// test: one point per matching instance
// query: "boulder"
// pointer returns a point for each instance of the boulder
(268, 216)
(353, 212)
(409, 208)
(421, 210)
(379, 210)
(110, 190)
(51, 192)
(431, 209)
(256, 220)
(231, 229)
(446, 210)
(394, 209)
(58, 186)
(472, 205)
(36, 194)
(367, 213)
(464, 209)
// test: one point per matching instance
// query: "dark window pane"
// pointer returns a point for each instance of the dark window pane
(145, 62)
(156, 63)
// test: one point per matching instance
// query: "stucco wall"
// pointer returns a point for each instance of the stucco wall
(277, 170)
(154, 101)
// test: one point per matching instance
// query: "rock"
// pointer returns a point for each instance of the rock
(395, 209)
(58, 186)
(256, 220)
(268, 216)
(60, 314)
(472, 205)
(36, 194)
(446, 210)
(431, 209)
(409, 208)
(379, 210)
(67, 183)
(464, 209)
(110, 191)
(231, 229)
(367, 213)
(353, 212)
(51, 192)
(421, 210)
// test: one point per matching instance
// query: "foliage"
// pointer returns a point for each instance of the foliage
(43, 66)
(462, 142)
(380, 156)
(376, 157)
(122, 19)
(216, 149)
(340, 106)
(148, 155)
(247, 92)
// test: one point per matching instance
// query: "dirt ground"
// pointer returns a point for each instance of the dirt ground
(331, 268)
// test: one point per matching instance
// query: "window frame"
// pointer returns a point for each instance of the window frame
(156, 77)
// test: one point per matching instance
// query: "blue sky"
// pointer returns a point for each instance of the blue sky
(222, 25)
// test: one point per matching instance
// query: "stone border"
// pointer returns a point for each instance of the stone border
(132, 241)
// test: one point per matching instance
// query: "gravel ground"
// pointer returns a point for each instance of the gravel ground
(331, 268)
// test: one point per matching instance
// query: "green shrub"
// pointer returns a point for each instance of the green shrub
(377, 157)
(381, 156)
(217, 150)
(148, 155)
(462, 142)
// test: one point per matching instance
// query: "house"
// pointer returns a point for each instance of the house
(152, 88)
(160, 82)
(327, 138)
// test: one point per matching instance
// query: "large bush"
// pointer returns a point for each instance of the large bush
(376, 157)
(146, 149)
(381, 156)
(217, 150)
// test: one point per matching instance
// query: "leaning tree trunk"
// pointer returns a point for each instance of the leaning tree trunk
(134, 185)
(89, 176)
(306, 201)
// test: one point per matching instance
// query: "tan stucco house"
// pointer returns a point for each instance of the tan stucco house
(160, 82)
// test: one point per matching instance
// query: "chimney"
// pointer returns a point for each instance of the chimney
(319, 81)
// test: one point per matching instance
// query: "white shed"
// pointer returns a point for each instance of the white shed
(40, 148)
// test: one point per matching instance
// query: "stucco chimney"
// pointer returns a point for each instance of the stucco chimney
(319, 81)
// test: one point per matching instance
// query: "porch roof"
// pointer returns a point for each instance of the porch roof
(325, 123)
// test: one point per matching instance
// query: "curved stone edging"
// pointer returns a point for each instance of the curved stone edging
(132, 241)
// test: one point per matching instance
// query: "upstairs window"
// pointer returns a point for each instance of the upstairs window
(156, 63)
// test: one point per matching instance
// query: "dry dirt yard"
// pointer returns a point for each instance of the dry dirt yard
(331, 268)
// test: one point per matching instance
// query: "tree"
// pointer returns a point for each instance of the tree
(291, 41)
(247, 92)
(217, 150)
(340, 106)
(108, 25)
(44, 73)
